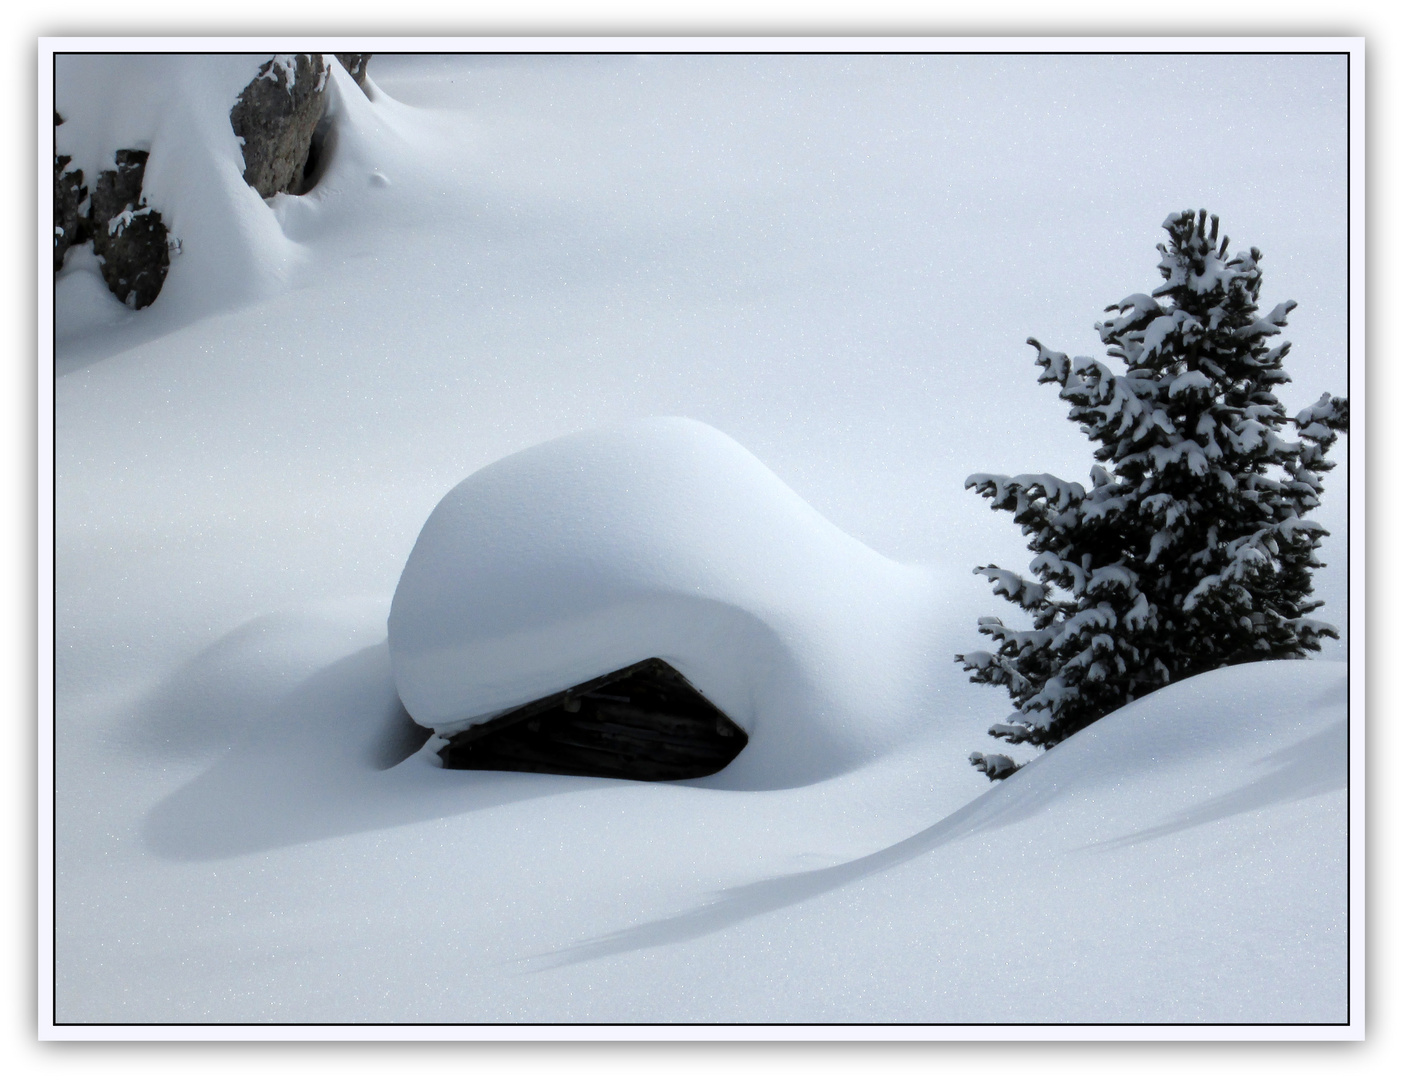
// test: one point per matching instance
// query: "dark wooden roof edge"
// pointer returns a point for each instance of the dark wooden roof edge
(473, 732)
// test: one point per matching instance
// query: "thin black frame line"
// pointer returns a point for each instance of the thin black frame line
(1349, 531)
(724, 52)
(708, 1023)
(1348, 164)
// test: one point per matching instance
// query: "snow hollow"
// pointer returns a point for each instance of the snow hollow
(568, 361)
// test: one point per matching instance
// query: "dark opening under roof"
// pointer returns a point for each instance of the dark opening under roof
(642, 722)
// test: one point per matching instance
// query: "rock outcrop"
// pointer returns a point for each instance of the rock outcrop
(275, 118)
(70, 218)
(354, 62)
(278, 118)
(128, 236)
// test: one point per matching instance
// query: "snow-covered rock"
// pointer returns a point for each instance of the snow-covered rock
(275, 118)
(355, 64)
(175, 110)
(662, 537)
(70, 195)
(129, 237)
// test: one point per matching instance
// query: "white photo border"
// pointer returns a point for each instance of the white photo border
(49, 1029)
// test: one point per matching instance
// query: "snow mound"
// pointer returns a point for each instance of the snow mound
(663, 537)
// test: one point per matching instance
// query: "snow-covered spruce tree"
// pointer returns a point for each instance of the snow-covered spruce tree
(1192, 549)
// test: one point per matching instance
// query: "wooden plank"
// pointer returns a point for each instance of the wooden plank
(642, 722)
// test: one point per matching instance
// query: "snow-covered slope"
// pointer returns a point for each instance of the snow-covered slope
(1182, 860)
(510, 268)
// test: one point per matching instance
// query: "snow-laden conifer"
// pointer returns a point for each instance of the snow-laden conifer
(1192, 548)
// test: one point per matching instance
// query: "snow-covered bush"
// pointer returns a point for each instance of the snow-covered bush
(1192, 549)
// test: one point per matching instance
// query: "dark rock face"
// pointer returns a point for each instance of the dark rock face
(128, 236)
(70, 223)
(642, 722)
(275, 117)
(354, 62)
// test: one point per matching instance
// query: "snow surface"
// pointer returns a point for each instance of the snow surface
(834, 261)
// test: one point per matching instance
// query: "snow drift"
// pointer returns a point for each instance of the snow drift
(1180, 860)
(665, 538)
